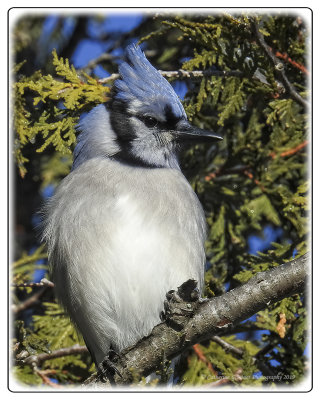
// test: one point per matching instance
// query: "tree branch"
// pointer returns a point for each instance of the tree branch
(182, 74)
(213, 317)
(44, 282)
(264, 368)
(290, 152)
(37, 359)
(227, 346)
(203, 358)
(289, 60)
(30, 301)
(278, 65)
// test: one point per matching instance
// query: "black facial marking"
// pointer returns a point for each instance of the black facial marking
(119, 119)
(150, 122)
(126, 157)
(170, 123)
(171, 119)
(120, 122)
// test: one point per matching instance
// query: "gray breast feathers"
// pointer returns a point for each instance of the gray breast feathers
(119, 238)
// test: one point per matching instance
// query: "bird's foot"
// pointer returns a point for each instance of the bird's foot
(107, 368)
(181, 304)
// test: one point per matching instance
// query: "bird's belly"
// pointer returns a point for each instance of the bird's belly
(143, 260)
(122, 257)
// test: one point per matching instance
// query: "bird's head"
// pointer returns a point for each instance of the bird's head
(147, 115)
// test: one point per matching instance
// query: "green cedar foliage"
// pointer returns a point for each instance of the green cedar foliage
(257, 176)
(54, 123)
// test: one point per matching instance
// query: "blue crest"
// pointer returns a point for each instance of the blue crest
(141, 81)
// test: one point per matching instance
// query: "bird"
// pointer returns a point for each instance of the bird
(124, 227)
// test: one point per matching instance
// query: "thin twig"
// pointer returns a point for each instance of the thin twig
(232, 171)
(289, 60)
(250, 176)
(227, 346)
(44, 282)
(67, 351)
(182, 74)
(43, 375)
(244, 169)
(30, 301)
(263, 367)
(223, 171)
(203, 358)
(278, 66)
(292, 151)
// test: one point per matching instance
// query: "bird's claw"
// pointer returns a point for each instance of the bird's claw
(180, 304)
(107, 368)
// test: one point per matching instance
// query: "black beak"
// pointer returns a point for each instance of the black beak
(187, 132)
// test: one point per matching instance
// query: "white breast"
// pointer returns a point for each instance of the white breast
(119, 238)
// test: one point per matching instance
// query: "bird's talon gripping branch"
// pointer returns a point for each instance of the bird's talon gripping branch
(181, 304)
(107, 368)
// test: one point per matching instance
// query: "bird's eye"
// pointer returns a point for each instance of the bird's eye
(150, 122)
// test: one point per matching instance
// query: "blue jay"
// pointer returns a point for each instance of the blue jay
(125, 227)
